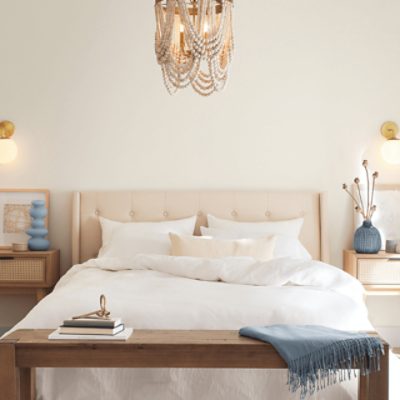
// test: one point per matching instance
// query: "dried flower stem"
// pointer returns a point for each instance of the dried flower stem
(371, 211)
(367, 208)
(359, 195)
(358, 207)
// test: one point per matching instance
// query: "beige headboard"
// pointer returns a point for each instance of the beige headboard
(165, 205)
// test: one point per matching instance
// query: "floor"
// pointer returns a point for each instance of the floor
(3, 331)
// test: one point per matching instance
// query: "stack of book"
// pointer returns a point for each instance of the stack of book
(92, 326)
(92, 329)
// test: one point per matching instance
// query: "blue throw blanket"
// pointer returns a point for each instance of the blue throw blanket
(318, 356)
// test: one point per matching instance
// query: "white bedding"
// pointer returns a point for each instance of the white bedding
(162, 292)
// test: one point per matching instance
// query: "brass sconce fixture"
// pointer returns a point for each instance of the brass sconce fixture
(8, 148)
(391, 148)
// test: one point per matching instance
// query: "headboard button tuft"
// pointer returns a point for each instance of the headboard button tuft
(234, 213)
(97, 212)
(132, 214)
(165, 214)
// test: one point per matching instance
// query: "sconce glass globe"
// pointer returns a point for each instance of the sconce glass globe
(8, 151)
(391, 151)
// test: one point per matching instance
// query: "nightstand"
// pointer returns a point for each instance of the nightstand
(377, 272)
(29, 272)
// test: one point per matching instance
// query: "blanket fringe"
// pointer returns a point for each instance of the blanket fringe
(334, 363)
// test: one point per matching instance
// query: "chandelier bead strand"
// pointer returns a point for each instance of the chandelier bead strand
(194, 43)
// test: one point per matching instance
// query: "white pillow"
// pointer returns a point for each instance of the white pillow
(125, 239)
(290, 227)
(207, 247)
(285, 246)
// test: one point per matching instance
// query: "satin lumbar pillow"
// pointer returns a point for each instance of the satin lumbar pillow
(207, 247)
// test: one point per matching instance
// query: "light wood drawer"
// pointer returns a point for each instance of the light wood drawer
(23, 269)
(379, 272)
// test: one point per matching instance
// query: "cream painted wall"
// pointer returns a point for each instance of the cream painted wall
(310, 84)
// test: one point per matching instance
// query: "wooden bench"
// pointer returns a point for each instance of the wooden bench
(24, 350)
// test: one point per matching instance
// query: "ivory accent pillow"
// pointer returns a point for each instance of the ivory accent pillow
(285, 246)
(290, 227)
(207, 247)
(125, 239)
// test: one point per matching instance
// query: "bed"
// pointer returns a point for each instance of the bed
(160, 296)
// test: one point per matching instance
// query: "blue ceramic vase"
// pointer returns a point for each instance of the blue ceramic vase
(367, 239)
(38, 231)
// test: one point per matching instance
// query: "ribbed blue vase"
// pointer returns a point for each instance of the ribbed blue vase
(367, 239)
(38, 231)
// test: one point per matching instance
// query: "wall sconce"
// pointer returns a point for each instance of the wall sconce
(8, 148)
(391, 148)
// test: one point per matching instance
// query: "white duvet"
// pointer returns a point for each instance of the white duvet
(163, 292)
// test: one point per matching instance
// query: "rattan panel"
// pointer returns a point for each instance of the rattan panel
(379, 272)
(23, 269)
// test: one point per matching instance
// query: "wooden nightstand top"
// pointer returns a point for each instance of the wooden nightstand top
(381, 254)
(9, 252)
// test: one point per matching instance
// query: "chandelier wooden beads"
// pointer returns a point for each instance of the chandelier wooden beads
(194, 43)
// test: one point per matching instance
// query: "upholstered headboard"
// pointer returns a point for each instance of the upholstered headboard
(165, 205)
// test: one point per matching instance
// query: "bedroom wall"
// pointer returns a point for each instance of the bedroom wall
(310, 84)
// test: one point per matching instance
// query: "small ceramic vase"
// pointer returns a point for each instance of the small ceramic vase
(391, 246)
(367, 239)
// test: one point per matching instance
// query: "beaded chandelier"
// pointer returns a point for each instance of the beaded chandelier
(194, 43)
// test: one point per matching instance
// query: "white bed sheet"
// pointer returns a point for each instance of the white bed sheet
(147, 298)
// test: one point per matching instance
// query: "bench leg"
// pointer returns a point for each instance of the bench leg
(40, 294)
(376, 385)
(8, 372)
(27, 383)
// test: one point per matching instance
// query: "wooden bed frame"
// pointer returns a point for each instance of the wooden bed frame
(22, 351)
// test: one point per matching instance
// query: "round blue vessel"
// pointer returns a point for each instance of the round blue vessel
(367, 239)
